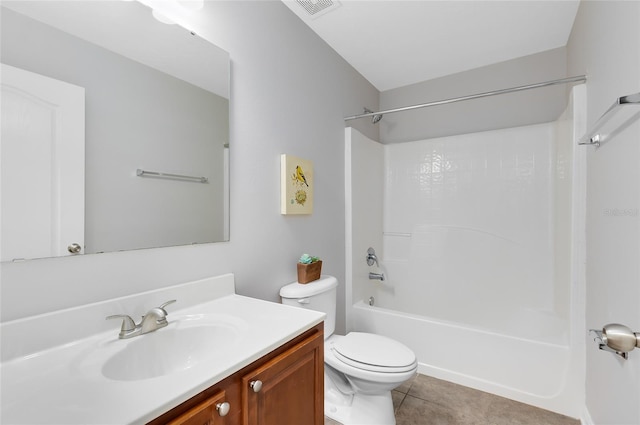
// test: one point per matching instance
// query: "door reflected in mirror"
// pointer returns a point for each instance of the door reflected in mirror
(155, 98)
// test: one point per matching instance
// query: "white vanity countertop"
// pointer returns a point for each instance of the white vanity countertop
(64, 384)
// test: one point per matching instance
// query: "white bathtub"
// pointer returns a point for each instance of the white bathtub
(537, 373)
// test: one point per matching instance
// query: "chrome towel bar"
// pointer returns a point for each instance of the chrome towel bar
(595, 136)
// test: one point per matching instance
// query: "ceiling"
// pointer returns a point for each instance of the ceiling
(395, 43)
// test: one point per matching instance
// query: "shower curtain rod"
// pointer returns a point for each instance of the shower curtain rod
(577, 78)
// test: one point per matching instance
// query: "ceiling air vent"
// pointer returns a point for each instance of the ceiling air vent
(316, 8)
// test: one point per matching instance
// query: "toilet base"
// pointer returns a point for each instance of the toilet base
(358, 409)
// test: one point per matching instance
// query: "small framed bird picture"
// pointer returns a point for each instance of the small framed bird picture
(296, 181)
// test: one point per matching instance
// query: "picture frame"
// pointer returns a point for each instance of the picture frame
(297, 185)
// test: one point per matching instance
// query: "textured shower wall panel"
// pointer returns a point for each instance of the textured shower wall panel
(468, 225)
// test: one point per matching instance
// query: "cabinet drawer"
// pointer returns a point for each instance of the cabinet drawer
(210, 412)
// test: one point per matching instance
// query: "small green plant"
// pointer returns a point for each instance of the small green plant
(308, 259)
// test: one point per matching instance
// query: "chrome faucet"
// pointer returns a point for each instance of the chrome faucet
(155, 319)
(371, 257)
(371, 260)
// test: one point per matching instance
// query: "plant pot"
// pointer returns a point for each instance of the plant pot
(309, 272)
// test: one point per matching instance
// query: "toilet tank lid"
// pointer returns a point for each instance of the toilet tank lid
(299, 290)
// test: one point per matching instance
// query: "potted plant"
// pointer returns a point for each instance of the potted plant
(309, 268)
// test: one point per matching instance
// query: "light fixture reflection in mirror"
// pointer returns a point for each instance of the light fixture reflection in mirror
(156, 98)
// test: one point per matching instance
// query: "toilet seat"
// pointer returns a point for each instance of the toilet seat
(373, 353)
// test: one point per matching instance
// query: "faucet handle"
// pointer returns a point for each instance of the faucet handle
(371, 257)
(127, 322)
(162, 306)
(159, 312)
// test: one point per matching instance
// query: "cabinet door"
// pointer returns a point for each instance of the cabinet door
(212, 411)
(289, 389)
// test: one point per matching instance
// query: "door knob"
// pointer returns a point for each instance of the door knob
(74, 248)
(256, 386)
(223, 408)
(620, 337)
(617, 338)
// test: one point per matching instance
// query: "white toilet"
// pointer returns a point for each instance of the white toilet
(360, 369)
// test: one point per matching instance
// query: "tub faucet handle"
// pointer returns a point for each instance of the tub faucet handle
(371, 257)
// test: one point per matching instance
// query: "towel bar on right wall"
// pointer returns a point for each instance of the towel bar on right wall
(595, 136)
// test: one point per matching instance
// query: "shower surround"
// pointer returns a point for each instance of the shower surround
(480, 241)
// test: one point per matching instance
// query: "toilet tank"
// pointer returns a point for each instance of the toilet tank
(319, 295)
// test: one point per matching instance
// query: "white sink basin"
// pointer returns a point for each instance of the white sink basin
(185, 343)
(167, 351)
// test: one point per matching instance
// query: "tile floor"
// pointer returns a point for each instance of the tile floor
(429, 401)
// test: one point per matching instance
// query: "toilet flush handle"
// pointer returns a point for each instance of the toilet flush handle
(304, 301)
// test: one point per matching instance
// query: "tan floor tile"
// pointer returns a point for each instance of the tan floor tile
(397, 398)
(469, 404)
(503, 411)
(466, 406)
(419, 412)
(404, 388)
(429, 401)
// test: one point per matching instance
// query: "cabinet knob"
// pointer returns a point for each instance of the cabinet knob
(256, 386)
(223, 408)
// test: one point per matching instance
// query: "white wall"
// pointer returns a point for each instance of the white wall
(289, 94)
(605, 44)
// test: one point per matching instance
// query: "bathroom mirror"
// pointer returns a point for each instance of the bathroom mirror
(156, 114)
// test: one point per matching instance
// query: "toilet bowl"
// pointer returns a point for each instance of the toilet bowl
(372, 363)
(361, 368)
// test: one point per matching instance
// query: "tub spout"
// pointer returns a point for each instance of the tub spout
(376, 276)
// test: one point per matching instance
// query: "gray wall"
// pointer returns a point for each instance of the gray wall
(514, 109)
(289, 94)
(136, 117)
(605, 44)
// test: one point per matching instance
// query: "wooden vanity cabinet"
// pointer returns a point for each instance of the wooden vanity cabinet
(285, 387)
